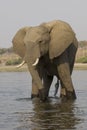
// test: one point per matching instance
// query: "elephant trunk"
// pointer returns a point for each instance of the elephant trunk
(34, 73)
(35, 76)
(32, 53)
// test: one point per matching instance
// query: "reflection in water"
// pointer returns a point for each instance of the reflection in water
(54, 116)
(19, 112)
(50, 116)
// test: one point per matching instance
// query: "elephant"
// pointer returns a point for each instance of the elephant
(49, 49)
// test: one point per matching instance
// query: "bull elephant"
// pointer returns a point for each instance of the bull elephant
(48, 49)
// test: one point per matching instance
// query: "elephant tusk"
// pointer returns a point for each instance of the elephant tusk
(20, 65)
(36, 62)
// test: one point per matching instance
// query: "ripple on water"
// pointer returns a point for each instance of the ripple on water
(19, 112)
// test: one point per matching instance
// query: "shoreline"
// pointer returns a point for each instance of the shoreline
(77, 66)
(80, 66)
(13, 69)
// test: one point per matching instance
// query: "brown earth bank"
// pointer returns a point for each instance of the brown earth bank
(77, 66)
(13, 69)
(9, 60)
(80, 66)
(6, 59)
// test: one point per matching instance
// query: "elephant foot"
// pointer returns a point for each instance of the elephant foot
(71, 95)
(42, 95)
(34, 96)
(63, 97)
(63, 94)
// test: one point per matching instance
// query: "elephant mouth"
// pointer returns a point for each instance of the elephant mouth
(36, 62)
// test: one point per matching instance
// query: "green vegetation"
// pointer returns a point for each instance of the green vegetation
(2, 51)
(82, 44)
(82, 60)
(13, 61)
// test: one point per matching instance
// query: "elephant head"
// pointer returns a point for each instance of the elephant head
(53, 37)
(36, 42)
(31, 43)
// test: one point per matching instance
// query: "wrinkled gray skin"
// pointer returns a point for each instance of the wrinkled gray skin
(55, 44)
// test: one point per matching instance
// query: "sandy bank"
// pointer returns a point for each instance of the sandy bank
(24, 68)
(82, 66)
(13, 69)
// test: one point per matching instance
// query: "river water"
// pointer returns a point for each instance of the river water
(19, 112)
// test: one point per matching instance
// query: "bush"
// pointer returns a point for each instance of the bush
(2, 51)
(14, 62)
(82, 60)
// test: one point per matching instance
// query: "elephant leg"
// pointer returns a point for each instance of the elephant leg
(63, 90)
(72, 53)
(35, 91)
(63, 94)
(47, 80)
(65, 76)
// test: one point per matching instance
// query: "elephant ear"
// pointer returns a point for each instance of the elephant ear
(18, 42)
(62, 36)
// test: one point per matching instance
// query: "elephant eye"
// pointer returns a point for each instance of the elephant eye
(40, 41)
(24, 44)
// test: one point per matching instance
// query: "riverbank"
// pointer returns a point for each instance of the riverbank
(13, 69)
(78, 66)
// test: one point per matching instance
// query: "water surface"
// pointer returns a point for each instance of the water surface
(19, 112)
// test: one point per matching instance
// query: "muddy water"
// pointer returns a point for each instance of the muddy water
(19, 112)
